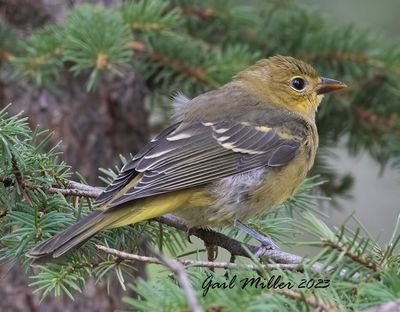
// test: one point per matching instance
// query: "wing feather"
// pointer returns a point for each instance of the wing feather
(128, 171)
(188, 155)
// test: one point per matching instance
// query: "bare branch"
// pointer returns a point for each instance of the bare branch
(178, 269)
(76, 189)
(72, 188)
(209, 237)
(387, 307)
(197, 263)
(235, 247)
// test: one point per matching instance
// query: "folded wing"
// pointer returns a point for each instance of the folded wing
(198, 153)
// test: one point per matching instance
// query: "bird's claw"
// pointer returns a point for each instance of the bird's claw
(189, 233)
(266, 243)
(262, 250)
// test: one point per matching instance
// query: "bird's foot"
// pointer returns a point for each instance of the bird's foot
(212, 252)
(190, 232)
(266, 243)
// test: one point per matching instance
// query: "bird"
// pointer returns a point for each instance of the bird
(229, 154)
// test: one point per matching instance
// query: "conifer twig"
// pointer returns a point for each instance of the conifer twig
(319, 306)
(204, 13)
(198, 263)
(195, 72)
(178, 269)
(353, 256)
(210, 237)
(20, 182)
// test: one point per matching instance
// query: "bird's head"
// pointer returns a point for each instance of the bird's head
(288, 83)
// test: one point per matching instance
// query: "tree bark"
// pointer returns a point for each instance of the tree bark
(94, 128)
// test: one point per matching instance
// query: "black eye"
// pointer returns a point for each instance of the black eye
(298, 83)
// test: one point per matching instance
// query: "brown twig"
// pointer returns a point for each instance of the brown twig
(195, 72)
(146, 26)
(373, 79)
(197, 263)
(20, 181)
(354, 57)
(373, 119)
(210, 237)
(5, 55)
(76, 189)
(72, 188)
(359, 57)
(235, 247)
(357, 258)
(178, 269)
(176, 265)
(204, 13)
(319, 306)
(365, 82)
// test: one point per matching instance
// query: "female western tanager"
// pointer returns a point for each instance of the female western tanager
(231, 154)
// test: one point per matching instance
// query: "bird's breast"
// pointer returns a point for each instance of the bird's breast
(281, 183)
(248, 194)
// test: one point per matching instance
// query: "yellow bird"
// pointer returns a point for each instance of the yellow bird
(231, 154)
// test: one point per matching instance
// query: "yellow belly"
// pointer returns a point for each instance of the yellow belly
(201, 206)
(278, 185)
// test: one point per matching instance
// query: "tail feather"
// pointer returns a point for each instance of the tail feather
(73, 236)
(109, 218)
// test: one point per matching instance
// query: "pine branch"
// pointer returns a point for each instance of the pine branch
(20, 182)
(235, 247)
(178, 269)
(203, 12)
(197, 263)
(387, 307)
(359, 57)
(319, 306)
(195, 72)
(356, 258)
(75, 189)
(72, 188)
(384, 124)
(354, 57)
(210, 237)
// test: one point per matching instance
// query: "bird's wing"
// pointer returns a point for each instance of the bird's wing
(125, 176)
(188, 155)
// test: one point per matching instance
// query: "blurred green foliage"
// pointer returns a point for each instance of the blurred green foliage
(192, 47)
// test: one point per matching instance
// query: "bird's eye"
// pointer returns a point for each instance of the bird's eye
(298, 83)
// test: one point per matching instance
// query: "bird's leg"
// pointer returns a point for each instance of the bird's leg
(212, 253)
(266, 243)
(232, 259)
(212, 250)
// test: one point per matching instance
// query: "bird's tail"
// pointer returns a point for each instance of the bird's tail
(73, 236)
(108, 218)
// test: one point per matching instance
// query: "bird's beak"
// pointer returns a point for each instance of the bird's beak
(328, 85)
